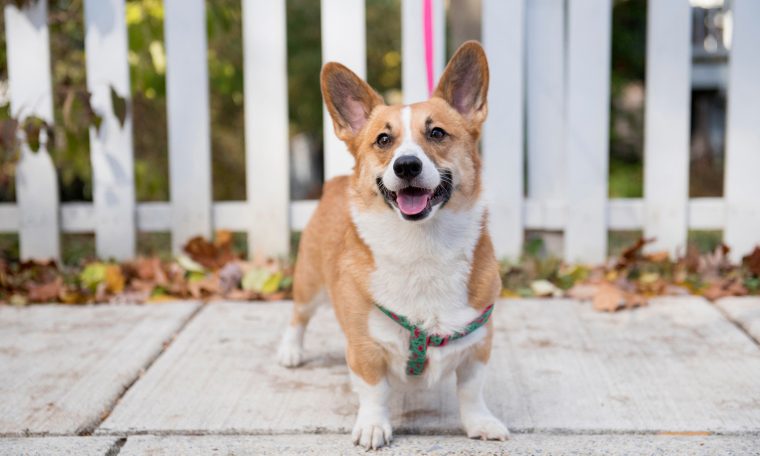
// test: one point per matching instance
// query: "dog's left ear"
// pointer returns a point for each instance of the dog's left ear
(464, 84)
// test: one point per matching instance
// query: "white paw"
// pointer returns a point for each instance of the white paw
(289, 354)
(372, 430)
(485, 427)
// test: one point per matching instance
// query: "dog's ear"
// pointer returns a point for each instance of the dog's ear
(464, 84)
(349, 99)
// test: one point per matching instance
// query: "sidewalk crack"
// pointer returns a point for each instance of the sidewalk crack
(116, 447)
(90, 428)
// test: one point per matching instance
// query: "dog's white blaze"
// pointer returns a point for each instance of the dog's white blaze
(429, 178)
(422, 271)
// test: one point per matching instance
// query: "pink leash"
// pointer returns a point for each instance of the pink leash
(427, 16)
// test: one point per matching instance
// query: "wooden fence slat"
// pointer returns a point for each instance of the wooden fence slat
(586, 129)
(188, 119)
(545, 112)
(413, 69)
(666, 124)
(266, 125)
(111, 144)
(503, 38)
(343, 40)
(742, 186)
(30, 86)
(545, 96)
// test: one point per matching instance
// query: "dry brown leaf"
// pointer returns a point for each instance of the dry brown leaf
(114, 279)
(207, 286)
(608, 298)
(223, 239)
(209, 255)
(631, 254)
(611, 298)
(712, 265)
(45, 292)
(691, 260)
(583, 291)
(657, 257)
(723, 288)
(752, 261)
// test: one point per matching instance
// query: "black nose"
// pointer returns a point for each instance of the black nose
(407, 167)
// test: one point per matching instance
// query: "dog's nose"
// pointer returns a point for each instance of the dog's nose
(407, 167)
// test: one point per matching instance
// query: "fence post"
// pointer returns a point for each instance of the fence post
(413, 69)
(666, 124)
(343, 40)
(503, 38)
(188, 119)
(31, 95)
(545, 97)
(266, 125)
(742, 186)
(110, 144)
(586, 129)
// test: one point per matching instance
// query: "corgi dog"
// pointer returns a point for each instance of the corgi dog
(401, 249)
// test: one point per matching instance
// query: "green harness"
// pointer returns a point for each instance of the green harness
(419, 340)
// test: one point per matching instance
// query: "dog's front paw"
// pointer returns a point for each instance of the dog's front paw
(485, 427)
(289, 354)
(372, 430)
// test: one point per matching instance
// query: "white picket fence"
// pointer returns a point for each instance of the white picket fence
(550, 64)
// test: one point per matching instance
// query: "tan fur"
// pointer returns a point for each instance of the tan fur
(333, 256)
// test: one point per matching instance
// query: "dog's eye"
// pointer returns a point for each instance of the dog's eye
(383, 140)
(437, 133)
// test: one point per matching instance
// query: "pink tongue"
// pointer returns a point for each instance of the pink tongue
(412, 203)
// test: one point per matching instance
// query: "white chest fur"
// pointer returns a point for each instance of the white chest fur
(422, 272)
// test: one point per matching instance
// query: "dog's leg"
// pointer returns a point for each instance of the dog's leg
(373, 421)
(290, 352)
(478, 421)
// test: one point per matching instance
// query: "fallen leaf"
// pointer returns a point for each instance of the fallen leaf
(272, 283)
(583, 291)
(608, 298)
(255, 279)
(45, 292)
(723, 288)
(631, 254)
(189, 265)
(657, 257)
(114, 279)
(230, 276)
(612, 298)
(751, 261)
(93, 275)
(544, 288)
(210, 255)
(713, 265)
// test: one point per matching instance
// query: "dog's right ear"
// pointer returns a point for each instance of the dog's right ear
(349, 100)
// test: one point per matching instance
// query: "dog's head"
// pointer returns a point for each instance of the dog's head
(419, 158)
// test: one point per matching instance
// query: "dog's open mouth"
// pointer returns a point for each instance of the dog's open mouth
(415, 203)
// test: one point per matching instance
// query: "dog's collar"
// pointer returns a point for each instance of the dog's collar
(419, 340)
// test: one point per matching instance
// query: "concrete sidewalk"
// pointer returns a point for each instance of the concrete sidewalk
(679, 376)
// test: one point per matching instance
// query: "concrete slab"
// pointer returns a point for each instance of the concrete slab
(62, 367)
(43, 446)
(557, 365)
(745, 311)
(520, 444)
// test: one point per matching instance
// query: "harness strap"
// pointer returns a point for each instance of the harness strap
(420, 340)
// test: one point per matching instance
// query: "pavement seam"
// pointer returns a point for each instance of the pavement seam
(434, 432)
(737, 324)
(116, 447)
(89, 429)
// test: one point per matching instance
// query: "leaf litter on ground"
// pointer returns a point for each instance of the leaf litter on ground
(212, 269)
